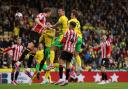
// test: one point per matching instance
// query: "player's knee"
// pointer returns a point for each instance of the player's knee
(60, 61)
(68, 65)
(102, 68)
(76, 53)
(52, 48)
(27, 69)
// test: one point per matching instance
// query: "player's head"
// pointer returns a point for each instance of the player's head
(61, 12)
(103, 38)
(19, 40)
(72, 25)
(74, 14)
(47, 11)
(40, 46)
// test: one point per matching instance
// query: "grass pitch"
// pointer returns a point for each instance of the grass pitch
(69, 86)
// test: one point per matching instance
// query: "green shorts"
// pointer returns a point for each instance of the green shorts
(47, 52)
(57, 41)
(38, 66)
(78, 44)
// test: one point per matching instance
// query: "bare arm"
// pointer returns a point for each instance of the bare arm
(56, 25)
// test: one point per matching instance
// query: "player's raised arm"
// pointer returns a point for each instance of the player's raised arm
(63, 21)
(56, 25)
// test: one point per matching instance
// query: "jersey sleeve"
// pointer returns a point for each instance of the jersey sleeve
(8, 49)
(60, 20)
(76, 38)
(69, 22)
(64, 37)
(108, 48)
(39, 16)
(78, 25)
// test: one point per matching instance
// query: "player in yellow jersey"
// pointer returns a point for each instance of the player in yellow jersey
(62, 24)
(47, 39)
(39, 56)
(74, 15)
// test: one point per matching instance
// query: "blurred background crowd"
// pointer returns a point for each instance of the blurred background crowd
(97, 17)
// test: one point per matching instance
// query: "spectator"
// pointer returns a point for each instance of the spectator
(97, 18)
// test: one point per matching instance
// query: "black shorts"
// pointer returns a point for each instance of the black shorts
(105, 62)
(13, 64)
(30, 60)
(66, 56)
(34, 37)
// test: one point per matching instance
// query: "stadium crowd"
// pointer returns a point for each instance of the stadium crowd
(96, 17)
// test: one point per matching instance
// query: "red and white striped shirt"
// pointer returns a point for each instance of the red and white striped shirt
(38, 28)
(105, 48)
(110, 39)
(17, 51)
(69, 41)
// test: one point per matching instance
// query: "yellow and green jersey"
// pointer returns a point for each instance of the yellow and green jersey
(77, 28)
(48, 37)
(63, 20)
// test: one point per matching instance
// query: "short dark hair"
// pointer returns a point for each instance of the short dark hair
(73, 24)
(61, 7)
(75, 12)
(46, 10)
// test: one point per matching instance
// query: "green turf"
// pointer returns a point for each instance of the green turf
(69, 86)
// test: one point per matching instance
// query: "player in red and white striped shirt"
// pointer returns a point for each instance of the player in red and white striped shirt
(40, 25)
(17, 51)
(38, 28)
(69, 43)
(69, 40)
(18, 48)
(105, 48)
(40, 20)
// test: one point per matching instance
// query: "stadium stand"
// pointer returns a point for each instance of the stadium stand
(112, 19)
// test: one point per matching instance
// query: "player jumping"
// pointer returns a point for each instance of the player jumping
(38, 29)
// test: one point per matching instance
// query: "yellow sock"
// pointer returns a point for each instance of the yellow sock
(47, 75)
(52, 56)
(78, 60)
